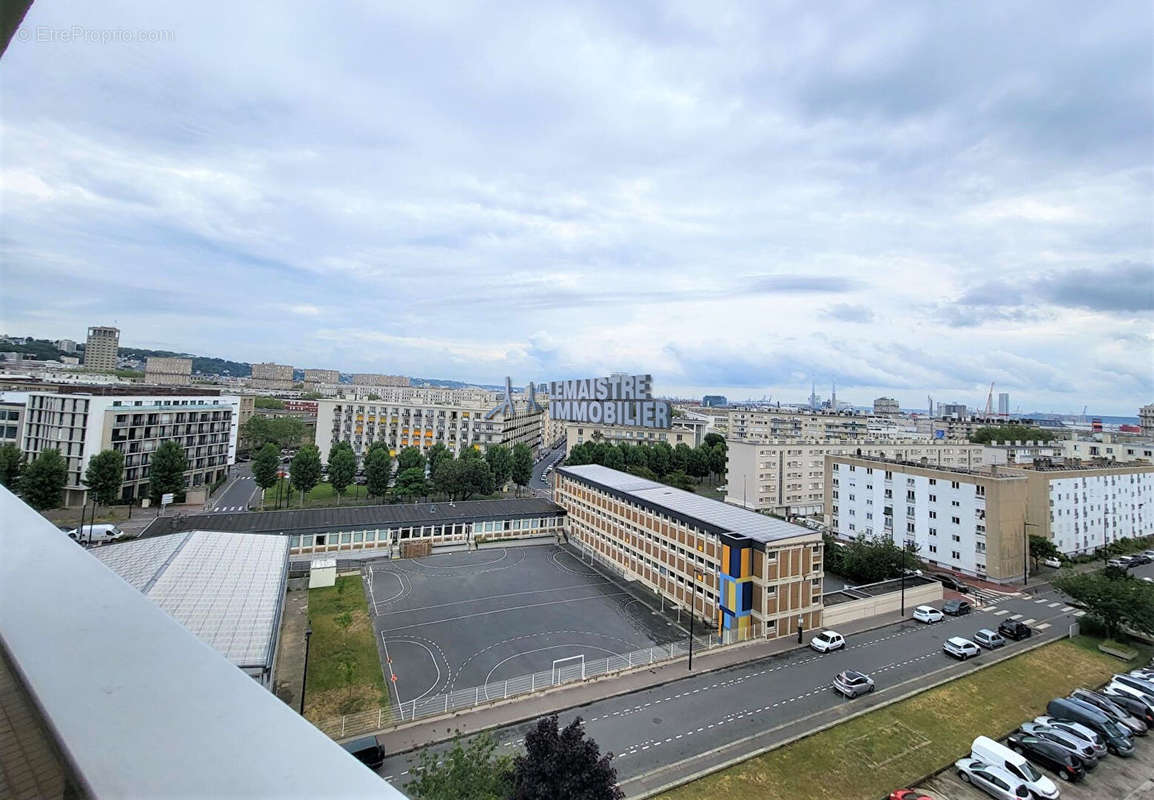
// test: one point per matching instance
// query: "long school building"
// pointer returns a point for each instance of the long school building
(748, 574)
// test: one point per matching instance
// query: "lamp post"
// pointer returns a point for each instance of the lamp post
(692, 610)
(305, 675)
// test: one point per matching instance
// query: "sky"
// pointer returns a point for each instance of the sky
(902, 198)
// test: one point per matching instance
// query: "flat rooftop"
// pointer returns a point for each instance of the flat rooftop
(357, 517)
(710, 514)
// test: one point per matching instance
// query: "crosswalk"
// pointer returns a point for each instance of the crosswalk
(223, 509)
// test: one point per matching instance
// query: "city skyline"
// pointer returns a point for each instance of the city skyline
(906, 208)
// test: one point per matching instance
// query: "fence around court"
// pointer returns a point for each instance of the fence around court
(498, 690)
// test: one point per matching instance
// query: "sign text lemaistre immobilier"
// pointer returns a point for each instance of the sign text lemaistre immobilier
(615, 400)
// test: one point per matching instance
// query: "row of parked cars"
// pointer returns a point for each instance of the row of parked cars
(1069, 740)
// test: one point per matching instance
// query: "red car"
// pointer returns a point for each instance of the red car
(909, 794)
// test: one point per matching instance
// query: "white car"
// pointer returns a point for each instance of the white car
(960, 648)
(927, 614)
(1056, 563)
(994, 781)
(827, 641)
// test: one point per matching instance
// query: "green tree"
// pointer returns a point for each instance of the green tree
(469, 771)
(500, 464)
(378, 470)
(680, 460)
(342, 467)
(104, 476)
(1115, 602)
(437, 453)
(697, 462)
(578, 456)
(1041, 547)
(718, 460)
(660, 458)
(284, 432)
(43, 480)
(268, 402)
(1011, 433)
(613, 458)
(265, 468)
(447, 479)
(563, 763)
(410, 458)
(642, 472)
(410, 483)
(469, 452)
(311, 396)
(522, 467)
(476, 478)
(166, 470)
(11, 465)
(872, 559)
(714, 439)
(679, 480)
(306, 470)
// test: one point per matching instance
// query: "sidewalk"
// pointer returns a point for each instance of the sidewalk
(470, 721)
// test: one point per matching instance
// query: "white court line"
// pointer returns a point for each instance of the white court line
(392, 675)
(433, 657)
(504, 555)
(490, 597)
(502, 610)
(372, 596)
(538, 650)
(390, 599)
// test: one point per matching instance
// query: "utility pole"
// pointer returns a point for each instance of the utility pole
(305, 674)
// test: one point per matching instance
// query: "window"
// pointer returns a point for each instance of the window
(933, 515)
(933, 548)
(933, 531)
(933, 482)
(957, 538)
(933, 498)
(956, 520)
(909, 527)
(955, 555)
(955, 485)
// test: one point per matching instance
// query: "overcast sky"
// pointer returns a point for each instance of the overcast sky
(905, 198)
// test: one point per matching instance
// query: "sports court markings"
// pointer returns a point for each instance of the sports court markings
(488, 597)
(501, 611)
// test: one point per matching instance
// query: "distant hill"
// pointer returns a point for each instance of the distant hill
(447, 384)
(202, 365)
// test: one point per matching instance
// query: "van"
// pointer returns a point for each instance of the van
(1117, 739)
(96, 533)
(987, 750)
(367, 750)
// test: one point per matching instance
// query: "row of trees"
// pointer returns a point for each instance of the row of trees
(284, 432)
(41, 481)
(557, 762)
(1011, 433)
(1113, 598)
(677, 466)
(868, 559)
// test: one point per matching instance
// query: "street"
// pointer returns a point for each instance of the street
(661, 733)
(539, 484)
(238, 493)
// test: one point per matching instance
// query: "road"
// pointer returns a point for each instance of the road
(238, 493)
(662, 733)
(540, 486)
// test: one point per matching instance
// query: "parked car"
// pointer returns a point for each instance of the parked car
(991, 752)
(994, 781)
(909, 794)
(1120, 563)
(956, 608)
(927, 614)
(1067, 766)
(1015, 629)
(1135, 687)
(852, 684)
(960, 648)
(1139, 558)
(1134, 706)
(1077, 730)
(1110, 709)
(97, 534)
(1086, 750)
(1117, 740)
(950, 582)
(989, 639)
(827, 641)
(367, 750)
(1056, 563)
(1146, 673)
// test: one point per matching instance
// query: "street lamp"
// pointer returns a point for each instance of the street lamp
(692, 609)
(305, 675)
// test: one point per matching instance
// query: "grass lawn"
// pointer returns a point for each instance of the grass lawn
(344, 672)
(872, 755)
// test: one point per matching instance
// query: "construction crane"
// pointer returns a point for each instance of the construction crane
(990, 401)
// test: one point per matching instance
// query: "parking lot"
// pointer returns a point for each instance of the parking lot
(478, 618)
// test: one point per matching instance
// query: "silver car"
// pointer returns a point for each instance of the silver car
(1077, 730)
(1073, 745)
(994, 781)
(853, 684)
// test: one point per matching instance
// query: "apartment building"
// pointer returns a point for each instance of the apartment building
(887, 407)
(168, 371)
(81, 422)
(12, 405)
(456, 424)
(578, 433)
(315, 378)
(747, 574)
(1146, 420)
(787, 478)
(977, 521)
(960, 429)
(1107, 446)
(1027, 452)
(102, 347)
(66, 345)
(373, 379)
(278, 377)
(783, 424)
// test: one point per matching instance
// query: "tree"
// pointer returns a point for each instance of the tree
(43, 480)
(284, 432)
(697, 462)
(166, 471)
(410, 482)
(679, 480)
(306, 470)
(642, 472)
(437, 453)
(871, 559)
(104, 476)
(447, 479)
(378, 470)
(714, 439)
(563, 764)
(1011, 433)
(718, 459)
(410, 458)
(660, 458)
(265, 468)
(469, 452)
(268, 402)
(342, 467)
(578, 455)
(614, 458)
(522, 468)
(11, 465)
(500, 464)
(466, 772)
(1041, 547)
(1115, 602)
(680, 460)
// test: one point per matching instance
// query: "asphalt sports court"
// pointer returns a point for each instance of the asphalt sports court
(479, 618)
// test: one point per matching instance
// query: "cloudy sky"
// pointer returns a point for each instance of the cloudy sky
(903, 197)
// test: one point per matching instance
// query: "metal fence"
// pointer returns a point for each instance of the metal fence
(496, 691)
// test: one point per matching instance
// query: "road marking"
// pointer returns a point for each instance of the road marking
(1043, 626)
(1029, 621)
(990, 608)
(1016, 616)
(1040, 601)
(1079, 613)
(1003, 611)
(1053, 605)
(1067, 609)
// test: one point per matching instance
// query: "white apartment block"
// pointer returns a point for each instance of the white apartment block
(12, 408)
(780, 424)
(787, 478)
(1091, 507)
(1107, 447)
(80, 425)
(1146, 420)
(457, 425)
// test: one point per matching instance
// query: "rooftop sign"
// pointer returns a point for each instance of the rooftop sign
(615, 400)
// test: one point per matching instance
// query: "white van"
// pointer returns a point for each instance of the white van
(987, 750)
(96, 533)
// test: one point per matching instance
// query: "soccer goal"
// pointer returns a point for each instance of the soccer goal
(568, 669)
